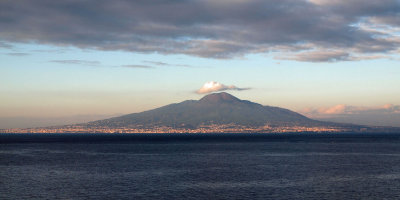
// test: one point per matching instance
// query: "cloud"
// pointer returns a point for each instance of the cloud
(213, 86)
(212, 29)
(5, 45)
(343, 109)
(156, 63)
(138, 66)
(58, 51)
(165, 64)
(385, 115)
(77, 62)
(18, 54)
(97, 63)
(318, 56)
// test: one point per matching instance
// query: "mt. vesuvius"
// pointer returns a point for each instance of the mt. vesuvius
(218, 109)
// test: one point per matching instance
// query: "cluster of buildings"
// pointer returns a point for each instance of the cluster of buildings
(214, 128)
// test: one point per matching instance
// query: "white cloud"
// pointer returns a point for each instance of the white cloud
(213, 86)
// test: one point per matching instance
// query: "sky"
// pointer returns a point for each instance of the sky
(73, 61)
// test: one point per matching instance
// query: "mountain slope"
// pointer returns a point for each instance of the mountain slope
(218, 108)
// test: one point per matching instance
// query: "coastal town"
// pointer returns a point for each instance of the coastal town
(214, 128)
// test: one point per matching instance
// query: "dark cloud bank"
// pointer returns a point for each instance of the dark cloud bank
(314, 30)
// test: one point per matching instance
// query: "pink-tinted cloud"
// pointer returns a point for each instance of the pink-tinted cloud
(343, 109)
(385, 115)
(334, 110)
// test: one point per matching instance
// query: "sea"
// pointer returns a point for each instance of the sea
(200, 166)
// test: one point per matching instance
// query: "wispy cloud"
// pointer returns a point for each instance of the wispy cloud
(165, 64)
(18, 54)
(211, 29)
(58, 51)
(213, 86)
(343, 109)
(317, 56)
(5, 45)
(99, 64)
(385, 115)
(138, 66)
(77, 62)
(156, 63)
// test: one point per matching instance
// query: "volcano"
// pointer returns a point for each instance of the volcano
(213, 109)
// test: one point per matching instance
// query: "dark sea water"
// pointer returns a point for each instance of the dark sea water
(338, 166)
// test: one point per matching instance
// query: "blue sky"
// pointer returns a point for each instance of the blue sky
(88, 60)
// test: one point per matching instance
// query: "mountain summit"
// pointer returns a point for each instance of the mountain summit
(213, 109)
(222, 97)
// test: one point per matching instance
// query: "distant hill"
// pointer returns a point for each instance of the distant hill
(217, 108)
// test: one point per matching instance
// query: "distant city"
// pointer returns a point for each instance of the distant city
(228, 128)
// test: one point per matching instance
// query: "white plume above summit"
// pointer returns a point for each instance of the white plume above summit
(213, 86)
